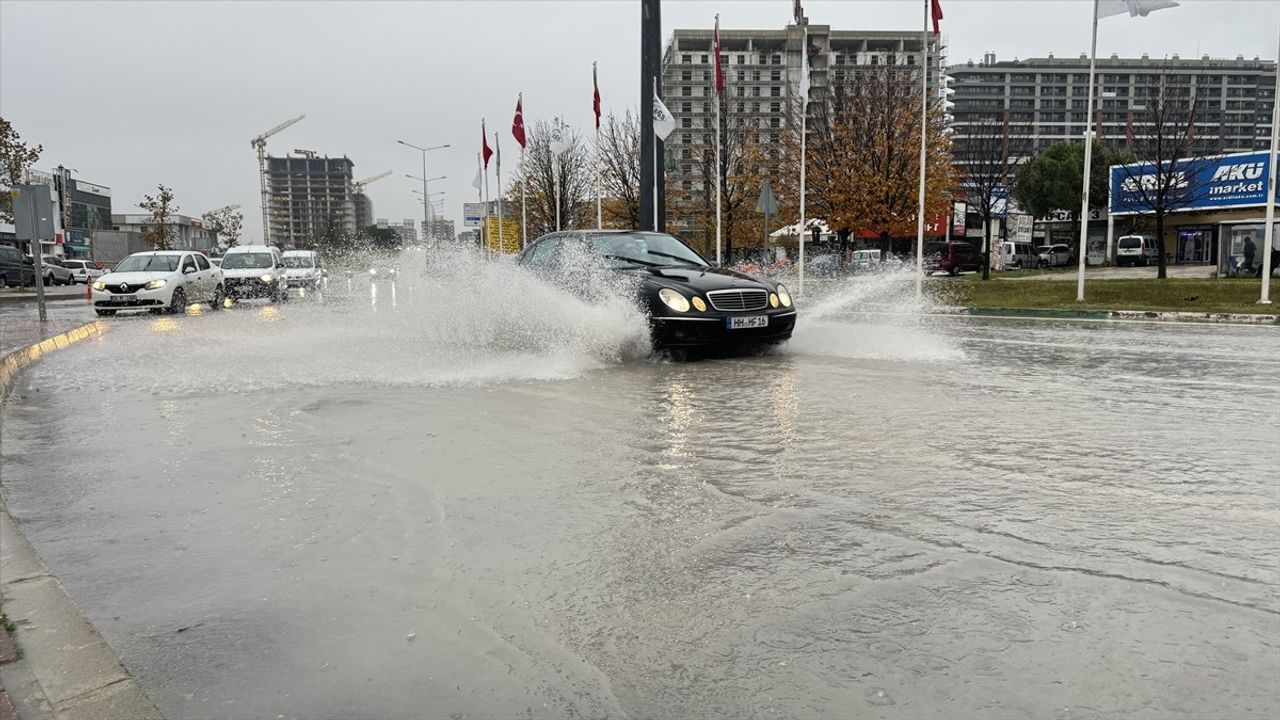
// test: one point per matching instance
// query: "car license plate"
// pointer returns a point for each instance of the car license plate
(754, 321)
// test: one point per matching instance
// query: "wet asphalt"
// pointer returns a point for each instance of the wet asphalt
(491, 501)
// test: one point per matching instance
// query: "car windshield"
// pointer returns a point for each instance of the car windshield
(652, 249)
(234, 261)
(299, 261)
(1130, 243)
(148, 262)
(1042, 248)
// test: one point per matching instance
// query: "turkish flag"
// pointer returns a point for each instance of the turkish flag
(595, 96)
(484, 145)
(937, 15)
(517, 125)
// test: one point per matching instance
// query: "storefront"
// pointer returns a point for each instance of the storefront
(1218, 204)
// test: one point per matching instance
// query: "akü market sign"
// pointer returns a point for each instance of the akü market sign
(1227, 181)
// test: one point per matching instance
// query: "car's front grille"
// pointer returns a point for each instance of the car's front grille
(124, 288)
(738, 300)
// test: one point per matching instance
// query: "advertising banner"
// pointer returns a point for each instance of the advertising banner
(1227, 181)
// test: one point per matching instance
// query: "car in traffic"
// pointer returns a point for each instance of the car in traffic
(159, 281)
(54, 272)
(216, 261)
(951, 258)
(303, 269)
(1018, 255)
(690, 303)
(383, 272)
(1056, 255)
(83, 271)
(255, 272)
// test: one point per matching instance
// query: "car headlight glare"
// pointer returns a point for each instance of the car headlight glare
(673, 300)
(699, 304)
(99, 285)
(783, 296)
(773, 300)
(268, 278)
(373, 271)
(156, 284)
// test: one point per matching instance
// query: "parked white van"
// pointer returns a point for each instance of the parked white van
(1136, 250)
(1017, 255)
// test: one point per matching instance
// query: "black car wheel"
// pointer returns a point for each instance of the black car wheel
(219, 298)
(178, 303)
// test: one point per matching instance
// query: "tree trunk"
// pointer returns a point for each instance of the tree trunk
(986, 248)
(1162, 271)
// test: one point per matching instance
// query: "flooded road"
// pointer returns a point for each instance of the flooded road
(496, 503)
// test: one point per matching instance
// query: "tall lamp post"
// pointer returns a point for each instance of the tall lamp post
(425, 192)
(424, 151)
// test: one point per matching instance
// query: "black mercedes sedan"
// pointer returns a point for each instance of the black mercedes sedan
(691, 303)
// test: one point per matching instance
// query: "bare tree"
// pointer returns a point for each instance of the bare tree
(742, 171)
(16, 158)
(619, 157)
(1170, 157)
(541, 173)
(157, 230)
(989, 153)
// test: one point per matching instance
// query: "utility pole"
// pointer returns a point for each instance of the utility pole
(651, 185)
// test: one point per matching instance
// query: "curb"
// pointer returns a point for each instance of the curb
(1132, 315)
(67, 671)
(59, 298)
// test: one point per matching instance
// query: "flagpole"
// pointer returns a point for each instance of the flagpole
(486, 197)
(502, 244)
(655, 170)
(804, 127)
(599, 180)
(524, 181)
(719, 101)
(924, 127)
(1088, 161)
(555, 176)
(1268, 234)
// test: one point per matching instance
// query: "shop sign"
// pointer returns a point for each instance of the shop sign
(1194, 184)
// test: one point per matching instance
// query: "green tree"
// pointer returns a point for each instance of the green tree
(226, 222)
(158, 231)
(16, 158)
(1054, 179)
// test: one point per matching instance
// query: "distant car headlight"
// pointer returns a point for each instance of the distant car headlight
(373, 271)
(783, 296)
(268, 278)
(99, 285)
(673, 300)
(699, 304)
(156, 284)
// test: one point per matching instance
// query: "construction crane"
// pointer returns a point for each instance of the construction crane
(359, 186)
(260, 144)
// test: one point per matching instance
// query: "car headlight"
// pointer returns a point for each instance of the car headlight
(373, 271)
(268, 278)
(673, 300)
(699, 304)
(99, 285)
(155, 284)
(783, 296)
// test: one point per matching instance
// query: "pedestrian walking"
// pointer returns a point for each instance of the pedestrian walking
(1249, 250)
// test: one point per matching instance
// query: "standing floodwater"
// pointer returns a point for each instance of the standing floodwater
(487, 500)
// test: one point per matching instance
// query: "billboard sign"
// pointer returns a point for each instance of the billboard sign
(1227, 181)
(959, 211)
(472, 214)
(510, 236)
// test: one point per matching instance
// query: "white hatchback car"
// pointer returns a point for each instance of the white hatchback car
(83, 271)
(158, 281)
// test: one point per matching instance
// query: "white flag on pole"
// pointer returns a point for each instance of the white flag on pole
(559, 139)
(663, 123)
(1107, 8)
(476, 183)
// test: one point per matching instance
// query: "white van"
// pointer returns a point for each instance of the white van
(255, 271)
(1136, 250)
(866, 259)
(1017, 255)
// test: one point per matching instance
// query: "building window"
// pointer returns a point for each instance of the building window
(687, 91)
(755, 91)
(775, 75)
(742, 60)
(687, 75)
(776, 91)
(703, 60)
(686, 59)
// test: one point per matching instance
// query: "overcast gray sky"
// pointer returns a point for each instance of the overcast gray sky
(137, 93)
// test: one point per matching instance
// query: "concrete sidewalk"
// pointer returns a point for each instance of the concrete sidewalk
(62, 668)
(57, 293)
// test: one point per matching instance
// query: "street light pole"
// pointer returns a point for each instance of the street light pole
(426, 218)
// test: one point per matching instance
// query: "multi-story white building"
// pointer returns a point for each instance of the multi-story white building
(1044, 100)
(310, 196)
(188, 233)
(762, 75)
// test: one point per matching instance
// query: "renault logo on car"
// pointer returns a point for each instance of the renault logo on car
(124, 287)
